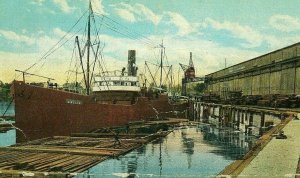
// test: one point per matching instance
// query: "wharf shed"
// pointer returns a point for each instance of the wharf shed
(277, 72)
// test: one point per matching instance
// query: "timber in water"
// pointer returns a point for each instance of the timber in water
(66, 156)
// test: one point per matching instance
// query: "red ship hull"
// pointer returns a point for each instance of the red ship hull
(42, 112)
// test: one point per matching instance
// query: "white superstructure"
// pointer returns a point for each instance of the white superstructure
(116, 81)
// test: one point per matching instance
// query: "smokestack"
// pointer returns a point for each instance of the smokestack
(131, 68)
(191, 64)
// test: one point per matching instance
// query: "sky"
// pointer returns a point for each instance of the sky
(213, 30)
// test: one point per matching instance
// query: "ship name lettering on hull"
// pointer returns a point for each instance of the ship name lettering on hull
(72, 101)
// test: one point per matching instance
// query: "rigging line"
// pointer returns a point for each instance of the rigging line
(173, 78)
(96, 57)
(145, 69)
(106, 82)
(153, 63)
(151, 74)
(101, 68)
(128, 35)
(97, 39)
(155, 74)
(95, 26)
(167, 75)
(55, 50)
(165, 55)
(133, 33)
(144, 73)
(63, 43)
(102, 58)
(84, 39)
(68, 77)
(157, 64)
(127, 29)
(103, 61)
(57, 42)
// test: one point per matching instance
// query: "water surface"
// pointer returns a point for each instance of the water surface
(187, 152)
(7, 106)
(194, 151)
(8, 138)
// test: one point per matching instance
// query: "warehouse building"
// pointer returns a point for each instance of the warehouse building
(277, 72)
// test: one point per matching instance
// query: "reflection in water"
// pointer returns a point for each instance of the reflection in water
(232, 144)
(188, 147)
(202, 151)
(132, 166)
(189, 152)
(160, 159)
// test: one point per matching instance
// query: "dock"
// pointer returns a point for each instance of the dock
(66, 156)
(270, 157)
(279, 158)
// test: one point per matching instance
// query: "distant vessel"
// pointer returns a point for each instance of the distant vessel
(112, 99)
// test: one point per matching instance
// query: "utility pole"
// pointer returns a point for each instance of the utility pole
(225, 62)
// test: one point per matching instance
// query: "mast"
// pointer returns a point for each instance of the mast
(88, 50)
(161, 63)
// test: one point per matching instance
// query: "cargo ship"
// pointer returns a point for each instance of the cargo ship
(110, 101)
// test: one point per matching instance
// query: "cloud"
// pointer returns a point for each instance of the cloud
(125, 14)
(285, 23)
(64, 6)
(276, 42)
(10, 35)
(98, 7)
(148, 14)
(136, 12)
(184, 27)
(208, 56)
(253, 37)
(139, 12)
(206, 53)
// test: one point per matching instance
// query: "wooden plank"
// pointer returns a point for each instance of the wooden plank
(106, 135)
(72, 151)
(59, 162)
(86, 167)
(72, 154)
(50, 160)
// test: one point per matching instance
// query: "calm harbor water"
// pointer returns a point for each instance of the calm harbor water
(9, 137)
(10, 108)
(190, 151)
(196, 151)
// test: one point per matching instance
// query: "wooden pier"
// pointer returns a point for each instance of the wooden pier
(237, 166)
(266, 156)
(247, 118)
(65, 156)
